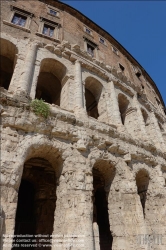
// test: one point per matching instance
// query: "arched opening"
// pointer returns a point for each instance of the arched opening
(49, 81)
(142, 182)
(123, 106)
(7, 62)
(103, 175)
(36, 202)
(93, 89)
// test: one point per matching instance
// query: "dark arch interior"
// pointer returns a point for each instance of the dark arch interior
(48, 88)
(123, 106)
(6, 71)
(25, 220)
(142, 182)
(100, 211)
(36, 201)
(7, 62)
(91, 104)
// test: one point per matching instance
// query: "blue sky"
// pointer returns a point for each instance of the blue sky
(140, 26)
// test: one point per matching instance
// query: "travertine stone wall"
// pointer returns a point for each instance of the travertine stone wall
(119, 144)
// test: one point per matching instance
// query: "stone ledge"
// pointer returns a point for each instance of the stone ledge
(16, 26)
(48, 37)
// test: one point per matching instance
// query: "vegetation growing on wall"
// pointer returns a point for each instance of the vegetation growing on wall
(40, 108)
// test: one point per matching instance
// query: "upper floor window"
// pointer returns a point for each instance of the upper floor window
(90, 49)
(48, 30)
(19, 19)
(138, 74)
(115, 50)
(121, 67)
(87, 31)
(102, 40)
(53, 12)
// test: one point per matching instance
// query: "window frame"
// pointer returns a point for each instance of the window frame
(49, 30)
(104, 41)
(121, 67)
(21, 17)
(93, 45)
(85, 30)
(53, 9)
(115, 50)
(55, 25)
(18, 11)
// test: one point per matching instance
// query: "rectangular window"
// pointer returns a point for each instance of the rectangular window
(19, 20)
(115, 50)
(138, 74)
(90, 49)
(121, 67)
(102, 40)
(48, 30)
(87, 31)
(53, 12)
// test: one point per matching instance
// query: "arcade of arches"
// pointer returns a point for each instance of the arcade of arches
(36, 207)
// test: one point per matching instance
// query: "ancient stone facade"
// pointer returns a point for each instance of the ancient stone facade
(96, 167)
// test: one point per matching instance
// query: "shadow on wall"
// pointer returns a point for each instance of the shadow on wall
(103, 176)
(8, 54)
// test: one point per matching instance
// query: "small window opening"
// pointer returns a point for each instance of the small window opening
(142, 86)
(90, 49)
(121, 67)
(53, 12)
(48, 30)
(138, 74)
(102, 40)
(19, 20)
(87, 31)
(115, 50)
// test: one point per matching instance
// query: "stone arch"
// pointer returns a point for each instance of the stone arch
(34, 152)
(142, 183)
(103, 175)
(8, 55)
(49, 82)
(93, 97)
